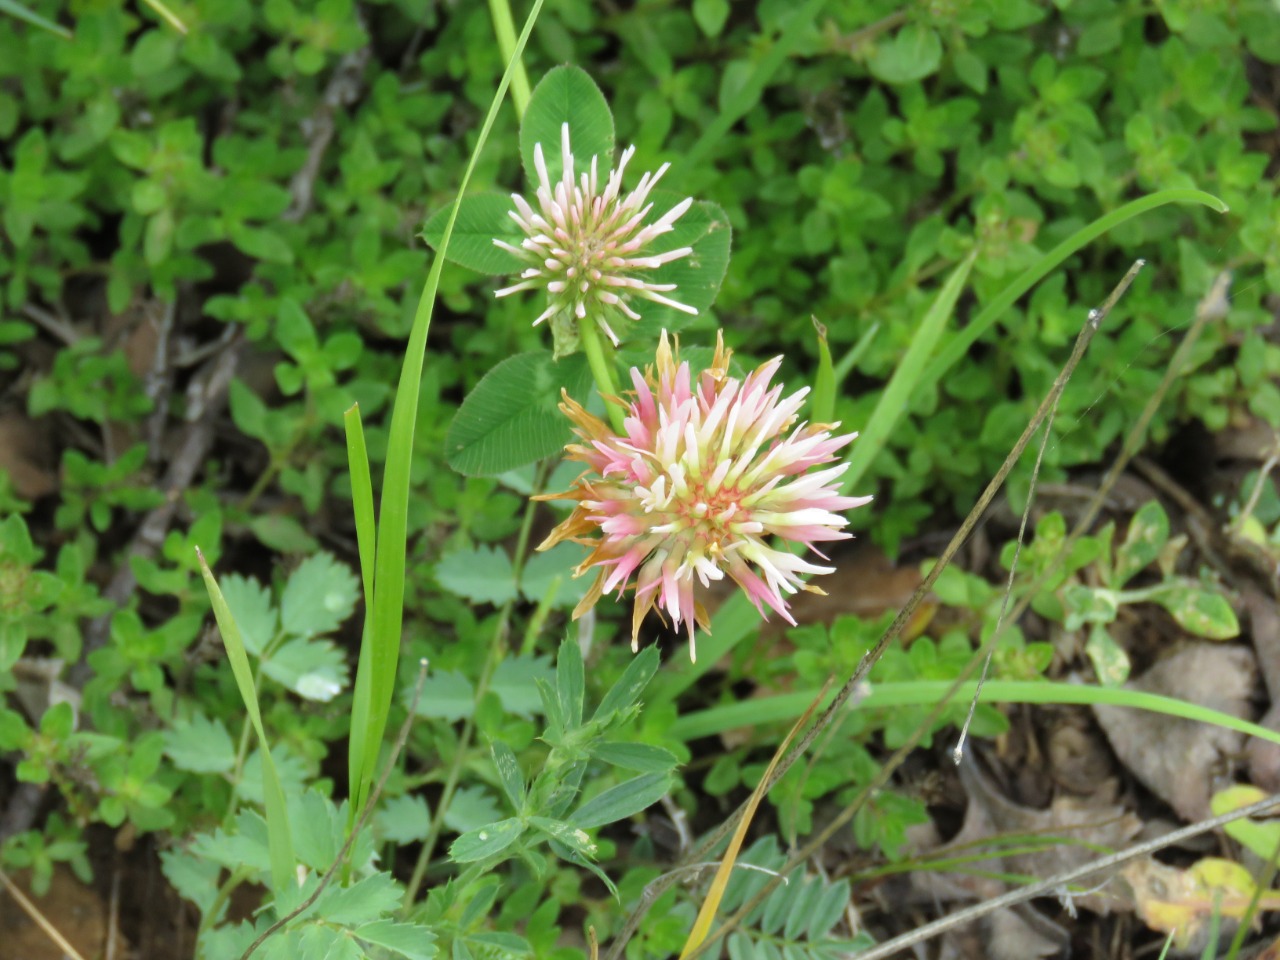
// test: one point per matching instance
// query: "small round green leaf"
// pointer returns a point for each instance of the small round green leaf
(705, 228)
(482, 218)
(567, 95)
(512, 417)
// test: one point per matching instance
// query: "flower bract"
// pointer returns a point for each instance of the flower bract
(587, 245)
(707, 473)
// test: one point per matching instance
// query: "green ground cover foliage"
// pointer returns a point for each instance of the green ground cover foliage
(266, 178)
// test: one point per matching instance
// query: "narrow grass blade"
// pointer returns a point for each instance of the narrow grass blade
(388, 598)
(15, 9)
(366, 540)
(959, 345)
(279, 836)
(907, 378)
(504, 28)
(715, 893)
(823, 399)
(850, 359)
(731, 716)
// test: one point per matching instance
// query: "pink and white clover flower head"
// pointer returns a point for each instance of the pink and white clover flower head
(707, 472)
(586, 242)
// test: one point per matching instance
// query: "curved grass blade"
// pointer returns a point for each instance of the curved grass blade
(959, 345)
(366, 540)
(15, 9)
(393, 520)
(279, 835)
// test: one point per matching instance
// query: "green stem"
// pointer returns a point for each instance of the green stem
(602, 370)
(504, 27)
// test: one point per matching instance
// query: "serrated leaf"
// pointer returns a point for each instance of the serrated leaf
(515, 683)
(363, 902)
(200, 745)
(704, 227)
(640, 757)
(318, 828)
(567, 95)
(482, 218)
(446, 695)
(313, 669)
(484, 842)
(512, 417)
(1148, 532)
(471, 808)
(251, 605)
(1203, 612)
(484, 575)
(509, 775)
(409, 940)
(622, 801)
(403, 819)
(319, 596)
(558, 563)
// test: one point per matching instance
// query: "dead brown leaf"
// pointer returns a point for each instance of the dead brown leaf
(1178, 759)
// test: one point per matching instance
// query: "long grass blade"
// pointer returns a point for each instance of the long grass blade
(959, 345)
(388, 599)
(366, 541)
(747, 713)
(907, 376)
(279, 835)
(15, 9)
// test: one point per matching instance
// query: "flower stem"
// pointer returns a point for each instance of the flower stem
(603, 371)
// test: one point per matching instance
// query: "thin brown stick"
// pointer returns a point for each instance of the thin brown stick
(1050, 402)
(900, 621)
(329, 874)
(1208, 308)
(40, 920)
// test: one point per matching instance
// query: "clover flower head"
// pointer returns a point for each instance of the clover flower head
(707, 471)
(586, 243)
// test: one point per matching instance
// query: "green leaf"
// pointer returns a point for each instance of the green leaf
(364, 901)
(640, 757)
(509, 775)
(403, 819)
(1203, 612)
(319, 596)
(704, 227)
(912, 54)
(630, 685)
(567, 95)
(515, 683)
(570, 683)
(260, 243)
(472, 808)
(512, 417)
(623, 800)
(446, 695)
(313, 669)
(1110, 662)
(200, 745)
(571, 836)
(484, 575)
(484, 842)
(710, 16)
(409, 940)
(1147, 535)
(482, 218)
(557, 564)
